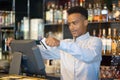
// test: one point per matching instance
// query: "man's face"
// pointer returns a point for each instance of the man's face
(77, 24)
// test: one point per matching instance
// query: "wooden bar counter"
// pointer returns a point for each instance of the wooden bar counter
(19, 77)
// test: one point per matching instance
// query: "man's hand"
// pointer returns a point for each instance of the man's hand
(53, 42)
(9, 40)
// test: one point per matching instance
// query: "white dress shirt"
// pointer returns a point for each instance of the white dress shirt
(80, 59)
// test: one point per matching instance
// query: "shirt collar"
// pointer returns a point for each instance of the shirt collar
(83, 37)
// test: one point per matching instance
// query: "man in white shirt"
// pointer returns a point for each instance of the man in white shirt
(80, 57)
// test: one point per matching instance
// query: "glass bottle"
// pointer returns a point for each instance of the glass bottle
(4, 45)
(22, 30)
(100, 34)
(81, 2)
(109, 42)
(90, 13)
(95, 17)
(51, 13)
(94, 33)
(117, 13)
(72, 3)
(40, 30)
(60, 14)
(104, 42)
(119, 9)
(0, 53)
(113, 11)
(118, 44)
(69, 5)
(9, 18)
(104, 13)
(17, 32)
(13, 18)
(1, 17)
(65, 14)
(47, 14)
(98, 12)
(55, 14)
(114, 41)
(76, 3)
(5, 14)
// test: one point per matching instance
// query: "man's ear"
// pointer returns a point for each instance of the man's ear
(86, 22)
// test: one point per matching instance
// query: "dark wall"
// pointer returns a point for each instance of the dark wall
(20, 9)
(6, 5)
(36, 9)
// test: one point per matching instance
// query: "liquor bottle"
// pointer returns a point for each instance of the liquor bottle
(55, 14)
(4, 41)
(17, 32)
(22, 30)
(76, 3)
(95, 17)
(114, 41)
(84, 3)
(103, 42)
(4, 46)
(109, 42)
(9, 18)
(65, 14)
(12, 17)
(72, 3)
(0, 17)
(115, 12)
(118, 44)
(51, 13)
(69, 5)
(100, 34)
(98, 12)
(0, 53)
(94, 33)
(26, 27)
(81, 2)
(40, 30)
(104, 13)
(90, 13)
(4, 16)
(119, 9)
(47, 14)
(60, 14)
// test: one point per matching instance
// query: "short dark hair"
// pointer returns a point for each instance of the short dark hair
(78, 9)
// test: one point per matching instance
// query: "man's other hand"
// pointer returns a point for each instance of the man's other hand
(9, 40)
